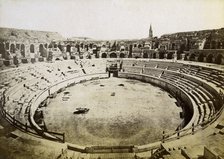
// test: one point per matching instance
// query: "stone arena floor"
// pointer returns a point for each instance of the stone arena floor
(121, 112)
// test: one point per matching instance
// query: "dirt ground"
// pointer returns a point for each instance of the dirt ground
(121, 112)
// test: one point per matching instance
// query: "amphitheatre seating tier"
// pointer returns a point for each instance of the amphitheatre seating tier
(21, 85)
(24, 86)
(198, 95)
(211, 75)
(183, 77)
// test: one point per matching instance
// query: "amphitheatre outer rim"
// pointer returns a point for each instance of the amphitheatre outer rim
(219, 111)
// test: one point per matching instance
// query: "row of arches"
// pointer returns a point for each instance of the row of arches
(21, 48)
(158, 55)
(113, 55)
(199, 57)
(218, 59)
(210, 58)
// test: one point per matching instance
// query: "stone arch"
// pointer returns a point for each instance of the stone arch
(145, 55)
(50, 46)
(186, 56)
(2, 50)
(32, 50)
(22, 50)
(173, 45)
(154, 55)
(192, 57)
(218, 45)
(213, 45)
(169, 55)
(104, 55)
(82, 45)
(219, 59)
(60, 47)
(161, 55)
(7, 46)
(17, 46)
(122, 55)
(15, 60)
(139, 45)
(209, 58)
(113, 55)
(201, 57)
(41, 50)
(12, 48)
(68, 48)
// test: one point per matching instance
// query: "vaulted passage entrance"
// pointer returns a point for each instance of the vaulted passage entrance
(104, 55)
(218, 59)
(113, 55)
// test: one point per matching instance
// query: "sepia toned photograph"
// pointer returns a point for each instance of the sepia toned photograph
(111, 79)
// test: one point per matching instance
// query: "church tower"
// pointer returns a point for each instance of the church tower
(150, 32)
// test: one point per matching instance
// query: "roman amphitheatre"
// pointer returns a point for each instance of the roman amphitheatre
(86, 99)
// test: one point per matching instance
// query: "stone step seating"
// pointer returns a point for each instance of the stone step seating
(203, 111)
(185, 69)
(162, 66)
(203, 106)
(143, 70)
(187, 89)
(152, 72)
(198, 95)
(207, 93)
(210, 78)
(25, 83)
(94, 66)
(182, 81)
(132, 69)
(127, 63)
(193, 153)
(18, 103)
(19, 98)
(201, 91)
(175, 66)
(185, 152)
(213, 76)
(204, 93)
(151, 65)
(200, 98)
(113, 156)
(68, 154)
(154, 64)
(174, 153)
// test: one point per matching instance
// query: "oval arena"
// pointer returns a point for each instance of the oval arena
(39, 100)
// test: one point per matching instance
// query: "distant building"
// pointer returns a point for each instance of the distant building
(150, 32)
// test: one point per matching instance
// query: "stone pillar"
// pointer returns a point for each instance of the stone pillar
(29, 60)
(175, 56)
(157, 55)
(222, 61)
(165, 55)
(182, 56)
(1, 62)
(196, 58)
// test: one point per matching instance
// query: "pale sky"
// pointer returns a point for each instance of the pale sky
(112, 19)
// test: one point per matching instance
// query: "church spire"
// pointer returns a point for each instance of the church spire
(150, 32)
